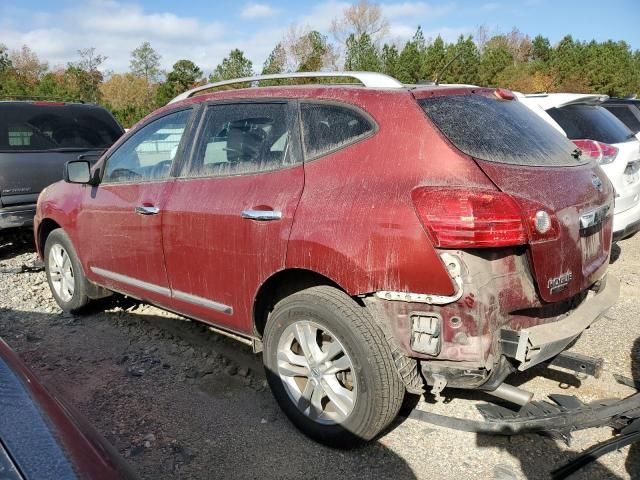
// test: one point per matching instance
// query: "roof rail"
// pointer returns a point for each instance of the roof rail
(368, 79)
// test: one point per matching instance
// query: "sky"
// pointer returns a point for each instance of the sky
(205, 31)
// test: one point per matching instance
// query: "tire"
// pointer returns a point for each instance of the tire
(361, 376)
(64, 272)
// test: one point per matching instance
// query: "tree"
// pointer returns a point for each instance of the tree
(5, 61)
(236, 65)
(27, 68)
(125, 95)
(435, 58)
(540, 49)
(307, 51)
(389, 59)
(361, 54)
(274, 64)
(184, 75)
(411, 58)
(87, 74)
(359, 19)
(145, 62)
(494, 59)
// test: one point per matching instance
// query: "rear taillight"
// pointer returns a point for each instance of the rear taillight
(602, 153)
(468, 218)
(474, 218)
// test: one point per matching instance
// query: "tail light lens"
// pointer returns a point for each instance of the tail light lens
(475, 218)
(602, 153)
(461, 217)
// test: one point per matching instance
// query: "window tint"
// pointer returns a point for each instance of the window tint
(499, 131)
(627, 114)
(148, 153)
(29, 127)
(591, 122)
(327, 127)
(245, 138)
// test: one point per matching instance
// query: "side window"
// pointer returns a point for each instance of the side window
(149, 153)
(328, 127)
(245, 138)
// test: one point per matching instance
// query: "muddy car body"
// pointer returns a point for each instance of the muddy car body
(402, 233)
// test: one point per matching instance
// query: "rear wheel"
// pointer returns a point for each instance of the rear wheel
(64, 272)
(330, 367)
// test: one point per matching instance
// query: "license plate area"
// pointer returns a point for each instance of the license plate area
(592, 238)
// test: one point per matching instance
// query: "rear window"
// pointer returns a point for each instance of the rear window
(501, 131)
(592, 122)
(627, 114)
(30, 127)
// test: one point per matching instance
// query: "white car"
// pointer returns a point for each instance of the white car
(603, 137)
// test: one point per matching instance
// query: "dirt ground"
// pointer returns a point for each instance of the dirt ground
(179, 401)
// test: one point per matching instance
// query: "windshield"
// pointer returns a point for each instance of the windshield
(591, 122)
(501, 131)
(32, 127)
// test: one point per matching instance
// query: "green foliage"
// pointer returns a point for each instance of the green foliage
(411, 59)
(389, 59)
(311, 51)
(145, 62)
(495, 58)
(362, 54)
(236, 65)
(184, 75)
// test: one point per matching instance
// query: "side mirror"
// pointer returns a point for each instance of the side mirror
(78, 171)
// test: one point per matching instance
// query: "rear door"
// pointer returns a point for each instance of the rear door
(37, 138)
(120, 223)
(527, 158)
(228, 219)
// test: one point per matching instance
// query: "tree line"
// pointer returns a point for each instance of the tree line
(356, 40)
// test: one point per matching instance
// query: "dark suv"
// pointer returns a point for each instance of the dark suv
(627, 110)
(369, 239)
(36, 139)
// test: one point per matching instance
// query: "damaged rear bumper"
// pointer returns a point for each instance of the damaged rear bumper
(14, 217)
(533, 345)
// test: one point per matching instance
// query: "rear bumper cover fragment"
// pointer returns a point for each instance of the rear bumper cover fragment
(534, 345)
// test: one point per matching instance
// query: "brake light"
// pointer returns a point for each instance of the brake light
(602, 153)
(504, 94)
(469, 218)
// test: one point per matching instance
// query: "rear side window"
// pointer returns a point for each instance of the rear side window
(627, 114)
(502, 131)
(329, 127)
(591, 122)
(246, 138)
(32, 127)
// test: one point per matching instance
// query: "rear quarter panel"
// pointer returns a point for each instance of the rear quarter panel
(356, 222)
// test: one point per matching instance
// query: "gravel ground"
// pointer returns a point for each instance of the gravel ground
(179, 401)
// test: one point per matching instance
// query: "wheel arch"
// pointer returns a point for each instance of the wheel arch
(45, 228)
(280, 285)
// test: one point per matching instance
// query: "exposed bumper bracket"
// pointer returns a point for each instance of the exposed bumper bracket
(534, 345)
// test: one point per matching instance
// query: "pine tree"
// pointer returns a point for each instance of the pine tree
(236, 65)
(361, 54)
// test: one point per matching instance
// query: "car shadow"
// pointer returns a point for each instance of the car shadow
(16, 242)
(176, 399)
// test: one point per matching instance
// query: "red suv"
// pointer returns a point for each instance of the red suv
(369, 239)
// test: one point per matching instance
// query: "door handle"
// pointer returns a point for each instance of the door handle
(147, 210)
(262, 215)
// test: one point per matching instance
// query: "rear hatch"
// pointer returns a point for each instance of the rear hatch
(37, 138)
(526, 158)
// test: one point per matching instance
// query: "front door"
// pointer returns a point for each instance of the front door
(120, 222)
(227, 222)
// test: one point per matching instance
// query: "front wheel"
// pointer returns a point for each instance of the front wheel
(330, 367)
(64, 272)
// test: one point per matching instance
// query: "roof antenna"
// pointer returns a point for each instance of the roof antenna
(444, 69)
